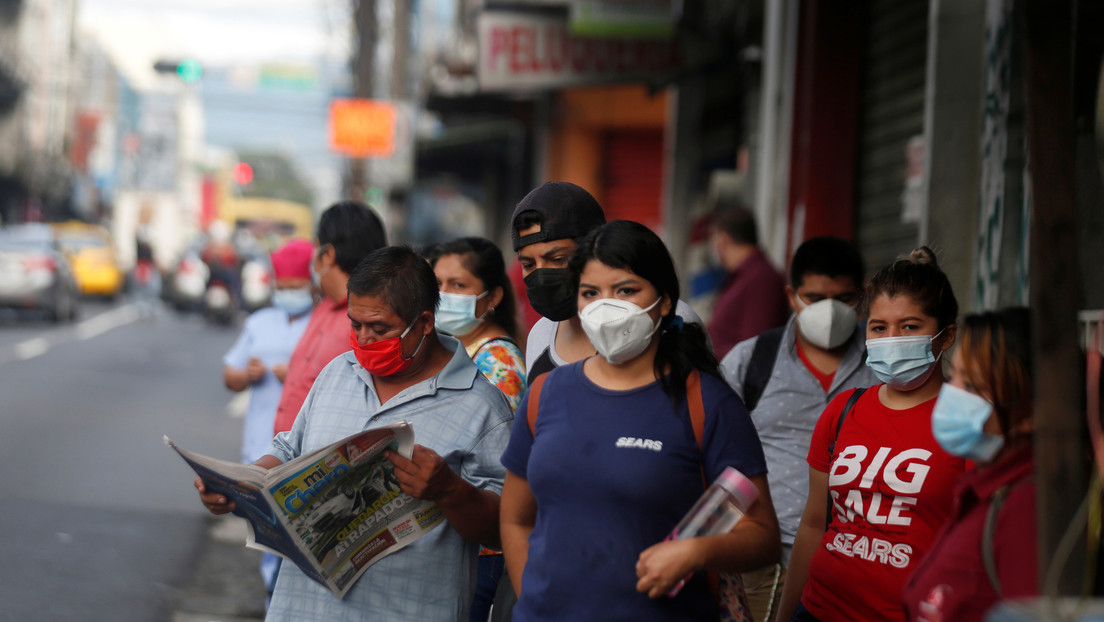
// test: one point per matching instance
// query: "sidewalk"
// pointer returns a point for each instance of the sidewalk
(226, 586)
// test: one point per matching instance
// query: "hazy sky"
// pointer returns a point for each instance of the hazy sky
(220, 32)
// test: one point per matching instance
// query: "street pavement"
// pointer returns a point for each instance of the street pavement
(225, 584)
(101, 521)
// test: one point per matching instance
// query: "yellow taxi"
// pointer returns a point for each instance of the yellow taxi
(91, 251)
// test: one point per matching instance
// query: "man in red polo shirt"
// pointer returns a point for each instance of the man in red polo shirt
(347, 232)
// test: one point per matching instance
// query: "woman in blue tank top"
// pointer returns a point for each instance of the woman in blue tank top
(602, 471)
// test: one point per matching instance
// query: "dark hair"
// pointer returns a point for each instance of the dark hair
(735, 219)
(996, 346)
(398, 276)
(919, 277)
(827, 255)
(353, 230)
(483, 259)
(631, 246)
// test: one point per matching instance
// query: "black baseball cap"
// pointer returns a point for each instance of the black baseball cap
(566, 211)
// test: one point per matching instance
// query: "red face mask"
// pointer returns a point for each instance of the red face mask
(383, 357)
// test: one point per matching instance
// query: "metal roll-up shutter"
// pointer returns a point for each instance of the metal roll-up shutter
(892, 112)
(632, 176)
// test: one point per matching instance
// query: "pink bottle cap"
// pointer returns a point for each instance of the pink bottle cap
(738, 486)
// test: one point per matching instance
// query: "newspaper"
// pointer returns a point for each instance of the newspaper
(333, 512)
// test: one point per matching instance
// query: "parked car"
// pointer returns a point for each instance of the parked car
(35, 273)
(91, 251)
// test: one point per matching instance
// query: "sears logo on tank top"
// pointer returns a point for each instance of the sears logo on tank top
(638, 443)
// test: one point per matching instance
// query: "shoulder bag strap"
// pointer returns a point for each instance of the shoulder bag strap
(697, 414)
(492, 340)
(534, 403)
(855, 395)
(989, 534)
(987, 537)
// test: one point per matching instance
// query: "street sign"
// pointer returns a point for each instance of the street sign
(521, 51)
(363, 128)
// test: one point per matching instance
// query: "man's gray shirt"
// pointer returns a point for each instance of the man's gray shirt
(787, 412)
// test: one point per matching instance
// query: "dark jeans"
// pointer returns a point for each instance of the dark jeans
(802, 615)
(491, 569)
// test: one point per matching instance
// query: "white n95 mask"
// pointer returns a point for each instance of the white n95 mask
(618, 329)
(826, 323)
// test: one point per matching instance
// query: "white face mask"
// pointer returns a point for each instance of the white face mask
(618, 329)
(827, 323)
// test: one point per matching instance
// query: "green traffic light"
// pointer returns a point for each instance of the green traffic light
(189, 70)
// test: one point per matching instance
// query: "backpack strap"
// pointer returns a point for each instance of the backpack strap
(855, 395)
(760, 365)
(534, 403)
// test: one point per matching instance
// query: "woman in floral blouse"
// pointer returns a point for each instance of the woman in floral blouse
(477, 307)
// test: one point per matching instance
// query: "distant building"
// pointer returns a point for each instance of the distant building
(36, 81)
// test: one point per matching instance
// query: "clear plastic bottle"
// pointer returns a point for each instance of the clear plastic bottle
(718, 510)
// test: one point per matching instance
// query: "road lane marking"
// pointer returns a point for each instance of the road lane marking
(31, 348)
(92, 327)
(236, 407)
(119, 316)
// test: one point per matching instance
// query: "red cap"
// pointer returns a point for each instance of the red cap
(293, 259)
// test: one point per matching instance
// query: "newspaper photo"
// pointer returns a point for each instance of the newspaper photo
(333, 512)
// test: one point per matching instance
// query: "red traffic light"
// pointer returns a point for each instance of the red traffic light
(243, 173)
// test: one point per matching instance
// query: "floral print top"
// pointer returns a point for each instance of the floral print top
(502, 363)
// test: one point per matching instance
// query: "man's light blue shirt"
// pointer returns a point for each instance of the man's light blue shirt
(457, 414)
(786, 414)
(270, 335)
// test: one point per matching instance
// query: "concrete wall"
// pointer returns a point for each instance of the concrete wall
(952, 127)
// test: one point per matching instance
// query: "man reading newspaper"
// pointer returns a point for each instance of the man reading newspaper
(400, 369)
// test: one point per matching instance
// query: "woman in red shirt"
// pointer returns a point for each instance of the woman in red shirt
(986, 551)
(879, 483)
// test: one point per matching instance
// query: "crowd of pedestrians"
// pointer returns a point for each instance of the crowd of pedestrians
(561, 459)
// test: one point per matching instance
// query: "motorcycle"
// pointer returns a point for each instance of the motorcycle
(220, 304)
(256, 284)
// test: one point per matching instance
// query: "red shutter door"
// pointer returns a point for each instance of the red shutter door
(632, 176)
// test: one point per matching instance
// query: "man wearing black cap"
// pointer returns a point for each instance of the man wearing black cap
(545, 229)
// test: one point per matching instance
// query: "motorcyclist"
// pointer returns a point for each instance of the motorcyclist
(221, 257)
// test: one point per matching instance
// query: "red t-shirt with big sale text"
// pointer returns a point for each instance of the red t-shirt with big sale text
(892, 488)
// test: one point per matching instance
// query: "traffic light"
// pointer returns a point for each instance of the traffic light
(243, 173)
(188, 69)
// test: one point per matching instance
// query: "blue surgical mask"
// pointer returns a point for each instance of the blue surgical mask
(456, 313)
(957, 422)
(903, 363)
(293, 301)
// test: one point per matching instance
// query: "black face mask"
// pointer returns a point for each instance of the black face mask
(551, 291)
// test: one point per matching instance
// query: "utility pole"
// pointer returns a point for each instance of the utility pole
(364, 14)
(400, 73)
(1056, 296)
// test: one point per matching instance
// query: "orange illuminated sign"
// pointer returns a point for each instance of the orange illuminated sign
(363, 128)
